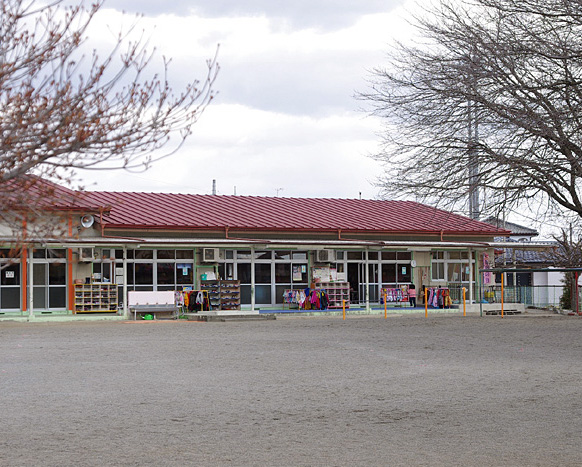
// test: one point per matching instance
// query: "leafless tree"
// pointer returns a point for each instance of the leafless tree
(487, 97)
(568, 254)
(63, 107)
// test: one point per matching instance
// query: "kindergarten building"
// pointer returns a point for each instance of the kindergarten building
(112, 243)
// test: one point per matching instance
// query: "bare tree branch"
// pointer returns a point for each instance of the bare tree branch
(510, 68)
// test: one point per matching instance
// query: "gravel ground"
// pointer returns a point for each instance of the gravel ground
(446, 390)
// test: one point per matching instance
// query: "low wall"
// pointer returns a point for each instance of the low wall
(476, 307)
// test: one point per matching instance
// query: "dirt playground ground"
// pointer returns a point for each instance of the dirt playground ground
(446, 390)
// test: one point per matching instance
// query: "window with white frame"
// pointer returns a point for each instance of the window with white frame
(452, 266)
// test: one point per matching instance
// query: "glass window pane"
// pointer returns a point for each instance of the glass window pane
(403, 255)
(403, 272)
(283, 273)
(299, 255)
(245, 294)
(166, 254)
(39, 297)
(263, 273)
(438, 271)
(39, 274)
(263, 294)
(184, 273)
(389, 255)
(279, 290)
(355, 255)
(372, 255)
(244, 273)
(388, 273)
(286, 255)
(56, 253)
(263, 255)
(228, 254)
(374, 294)
(184, 254)
(10, 275)
(144, 254)
(454, 254)
(454, 272)
(243, 254)
(57, 273)
(465, 273)
(373, 268)
(130, 273)
(166, 287)
(166, 273)
(340, 255)
(144, 273)
(39, 253)
(57, 297)
(299, 272)
(10, 298)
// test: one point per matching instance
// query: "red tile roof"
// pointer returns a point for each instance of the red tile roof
(34, 193)
(184, 211)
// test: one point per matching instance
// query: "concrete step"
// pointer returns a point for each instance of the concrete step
(220, 317)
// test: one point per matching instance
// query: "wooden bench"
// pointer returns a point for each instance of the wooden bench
(152, 303)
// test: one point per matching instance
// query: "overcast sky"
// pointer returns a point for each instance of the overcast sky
(285, 121)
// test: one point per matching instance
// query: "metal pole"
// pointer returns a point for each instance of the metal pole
(502, 290)
(576, 288)
(464, 304)
(471, 274)
(344, 308)
(385, 307)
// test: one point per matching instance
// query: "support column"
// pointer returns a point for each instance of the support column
(125, 307)
(252, 278)
(70, 284)
(367, 276)
(30, 284)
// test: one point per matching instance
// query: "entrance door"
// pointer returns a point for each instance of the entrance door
(357, 280)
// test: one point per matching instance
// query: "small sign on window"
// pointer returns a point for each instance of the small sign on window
(9, 274)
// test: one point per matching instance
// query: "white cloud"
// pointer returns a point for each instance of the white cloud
(258, 152)
(285, 117)
(296, 14)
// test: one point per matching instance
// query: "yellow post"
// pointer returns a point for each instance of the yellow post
(425, 303)
(464, 303)
(385, 307)
(344, 307)
(502, 280)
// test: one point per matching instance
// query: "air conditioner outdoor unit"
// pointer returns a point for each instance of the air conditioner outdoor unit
(325, 256)
(209, 255)
(86, 254)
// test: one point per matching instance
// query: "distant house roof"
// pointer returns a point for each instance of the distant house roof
(130, 210)
(515, 229)
(526, 257)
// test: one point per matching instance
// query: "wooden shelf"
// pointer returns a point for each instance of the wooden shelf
(97, 297)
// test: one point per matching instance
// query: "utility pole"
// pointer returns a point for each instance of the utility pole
(472, 141)
(473, 130)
